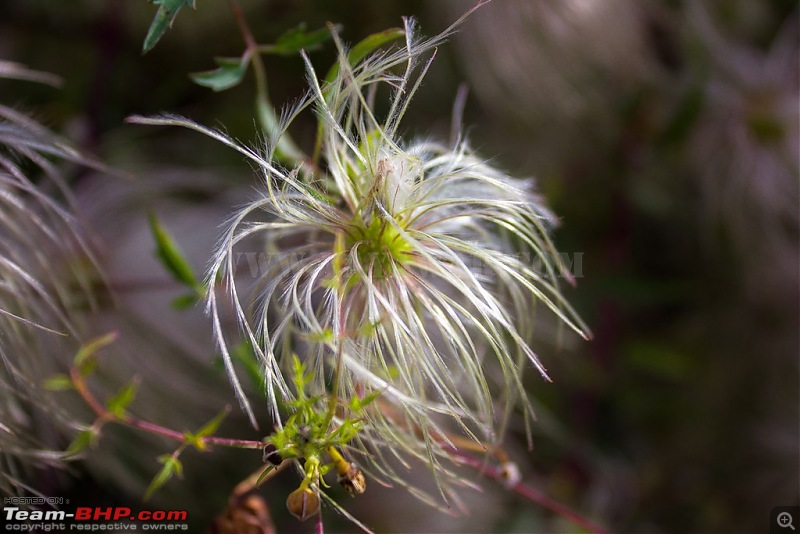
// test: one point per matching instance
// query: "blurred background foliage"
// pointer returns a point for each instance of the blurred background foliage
(664, 133)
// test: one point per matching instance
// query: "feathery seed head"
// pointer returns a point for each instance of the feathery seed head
(393, 268)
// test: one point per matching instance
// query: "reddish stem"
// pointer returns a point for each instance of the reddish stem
(529, 493)
(252, 46)
(104, 415)
(320, 528)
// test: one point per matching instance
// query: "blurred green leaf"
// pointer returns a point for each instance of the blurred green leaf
(296, 39)
(58, 383)
(230, 73)
(84, 439)
(172, 467)
(658, 359)
(120, 402)
(170, 255)
(185, 301)
(167, 11)
(85, 359)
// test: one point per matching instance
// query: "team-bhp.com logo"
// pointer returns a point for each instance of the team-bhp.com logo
(95, 519)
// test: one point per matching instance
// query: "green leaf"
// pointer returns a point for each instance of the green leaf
(120, 402)
(185, 301)
(84, 439)
(165, 16)
(85, 359)
(230, 73)
(366, 46)
(296, 39)
(172, 467)
(58, 383)
(170, 255)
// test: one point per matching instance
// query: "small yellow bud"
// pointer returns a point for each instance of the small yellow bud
(303, 503)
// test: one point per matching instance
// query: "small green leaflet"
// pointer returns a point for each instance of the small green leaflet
(357, 404)
(196, 439)
(172, 467)
(120, 402)
(167, 11)
(85, 438)
(230, 73)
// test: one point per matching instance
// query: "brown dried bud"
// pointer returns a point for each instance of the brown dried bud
(246, 514)
(272, 455)
(353, 480)
(303, 503)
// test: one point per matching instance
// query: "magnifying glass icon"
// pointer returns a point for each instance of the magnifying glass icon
(785, 520)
